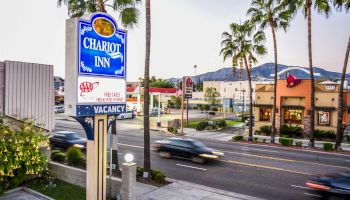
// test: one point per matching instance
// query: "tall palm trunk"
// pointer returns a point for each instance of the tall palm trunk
(147, 156)
(341, 101)
(101, 6)
(312, 108)
(275, 86)
(250, 138)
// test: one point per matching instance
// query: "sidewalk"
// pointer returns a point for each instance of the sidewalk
(189, 191)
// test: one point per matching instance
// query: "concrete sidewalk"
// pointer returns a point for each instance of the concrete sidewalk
(189, 191)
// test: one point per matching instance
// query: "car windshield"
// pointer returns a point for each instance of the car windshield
(73, 136)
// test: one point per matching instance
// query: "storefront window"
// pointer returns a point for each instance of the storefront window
(293, 116)
(265, 114)
(323, 118)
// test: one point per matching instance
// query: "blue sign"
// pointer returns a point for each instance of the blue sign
(102, 47)
(109, 109)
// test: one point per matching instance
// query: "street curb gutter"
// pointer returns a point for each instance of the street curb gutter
(214, 190)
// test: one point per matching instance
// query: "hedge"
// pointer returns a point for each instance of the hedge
(237, 138)
(328, 146)
(58, 156)
(286, 141)
(75, 156)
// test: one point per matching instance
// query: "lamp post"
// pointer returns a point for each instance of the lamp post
(243, 91)
(158, 120)
(128, 178)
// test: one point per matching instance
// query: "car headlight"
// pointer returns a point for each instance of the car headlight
(78, 146)
(208, 156)
(218, 153)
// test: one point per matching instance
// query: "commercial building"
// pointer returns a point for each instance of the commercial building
(293, 104)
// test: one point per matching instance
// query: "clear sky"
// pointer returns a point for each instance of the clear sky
(184, 33)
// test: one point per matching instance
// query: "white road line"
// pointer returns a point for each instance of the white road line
(191, 167)
(314, 195)
(254, 149)
(302, 187)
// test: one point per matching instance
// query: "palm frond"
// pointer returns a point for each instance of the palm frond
(129, 16)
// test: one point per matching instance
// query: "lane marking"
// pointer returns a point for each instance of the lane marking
(129, 145)
(314, 195)
(266, 167)
(254, 149)
(302, 187)
(192, 167)
(287, 160)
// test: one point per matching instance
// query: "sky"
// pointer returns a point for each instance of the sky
(184, 33)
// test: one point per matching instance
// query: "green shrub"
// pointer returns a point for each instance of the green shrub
(75, 156)
(322, 134)
(58, 156)
(221, 123)
(156, 175)
(328, 146)
(237, 138)
(264, 140)
(200, 106)
(201, 125)
(291, 131)
(255, 139)
(172, 130)
(205, 107)
(286, 141)
(265, 130)
(299, 144)
(214, 109)
(20, 153)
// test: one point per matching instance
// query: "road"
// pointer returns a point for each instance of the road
(260, 171)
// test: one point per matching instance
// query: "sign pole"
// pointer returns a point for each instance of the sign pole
(182, 105)
(186, 111)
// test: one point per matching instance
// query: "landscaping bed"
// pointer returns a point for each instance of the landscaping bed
(217, 124)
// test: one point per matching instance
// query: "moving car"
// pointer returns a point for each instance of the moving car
(186, 148)
(331, 186)
(66, 139)
(127, 115)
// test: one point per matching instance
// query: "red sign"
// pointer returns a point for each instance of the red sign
(292, 81)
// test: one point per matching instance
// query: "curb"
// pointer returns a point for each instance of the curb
(30, 191)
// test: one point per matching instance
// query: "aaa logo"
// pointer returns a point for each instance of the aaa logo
(86, 87)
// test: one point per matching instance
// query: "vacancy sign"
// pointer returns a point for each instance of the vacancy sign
(101, 90)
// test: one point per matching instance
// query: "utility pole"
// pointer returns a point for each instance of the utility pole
(182, 105)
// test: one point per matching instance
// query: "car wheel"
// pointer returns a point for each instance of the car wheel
(164, 154)
(198, 160)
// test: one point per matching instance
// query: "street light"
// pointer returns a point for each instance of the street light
(128, 158)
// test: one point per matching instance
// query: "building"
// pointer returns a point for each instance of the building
(293, 104)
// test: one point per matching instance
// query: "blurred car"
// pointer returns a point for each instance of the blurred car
(155, 109)
(186, 148)
(59, 109)
(127, 115)
(331, 186)
(66, 139)
(153, 113)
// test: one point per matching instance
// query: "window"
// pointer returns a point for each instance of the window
(265, 114)
(323, 118)
(293, 116)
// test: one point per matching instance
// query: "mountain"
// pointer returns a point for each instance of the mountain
(262, 72)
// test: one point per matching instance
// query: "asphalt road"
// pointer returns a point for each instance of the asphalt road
(260, 171)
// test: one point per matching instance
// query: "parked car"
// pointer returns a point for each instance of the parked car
(186, 148)
(66, 139)
(59, 109)
(331, 186)
(127, 115)
(155, 109)
(153, 113)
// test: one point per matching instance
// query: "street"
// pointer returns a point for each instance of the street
(255, 170)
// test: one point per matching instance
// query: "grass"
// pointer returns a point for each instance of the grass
(193, 124)
(62, 191)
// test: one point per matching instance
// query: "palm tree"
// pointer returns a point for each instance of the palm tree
(242, 46)
(339, 136)
(322, 7)
(128, 13)
(275, 15)
(147, 154)
(339, 4)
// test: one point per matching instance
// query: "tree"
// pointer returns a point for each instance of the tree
(175, 102)
(322, 7)
(242, 45)
(160, 83)
(212, 96)
(147, 151)
(276, 15)
(128, 13)
(339, 136)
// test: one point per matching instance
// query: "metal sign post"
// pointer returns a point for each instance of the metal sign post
(95, 88)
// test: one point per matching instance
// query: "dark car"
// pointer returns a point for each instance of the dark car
(186, 148)
(66, 139)
(331, 186)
